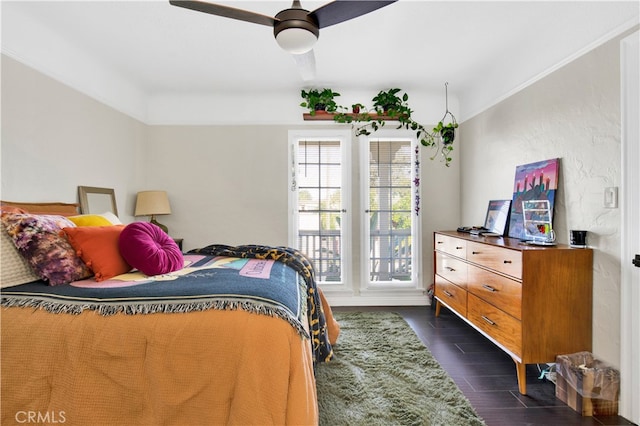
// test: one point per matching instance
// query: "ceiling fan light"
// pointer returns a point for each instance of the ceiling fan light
(296, 40)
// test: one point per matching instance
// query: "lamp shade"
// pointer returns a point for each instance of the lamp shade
(149, 203)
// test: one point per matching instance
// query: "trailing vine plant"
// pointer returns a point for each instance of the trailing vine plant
(390, 105)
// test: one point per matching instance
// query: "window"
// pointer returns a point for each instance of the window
(318, 201)
(390, 213)
(392, 243)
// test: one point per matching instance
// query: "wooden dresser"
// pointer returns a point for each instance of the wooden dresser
(533, 302)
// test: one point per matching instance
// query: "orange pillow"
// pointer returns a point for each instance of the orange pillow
(97, 246)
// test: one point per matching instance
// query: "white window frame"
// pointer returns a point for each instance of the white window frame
(346, 285)
(391, 287)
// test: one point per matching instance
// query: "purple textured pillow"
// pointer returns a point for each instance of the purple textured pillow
(149, 249)
(37, 238)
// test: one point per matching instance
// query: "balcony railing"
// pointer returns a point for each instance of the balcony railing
(390, 256)
(323, 249)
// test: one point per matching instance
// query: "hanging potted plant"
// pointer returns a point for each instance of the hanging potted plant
(447, 132)
(319, 100)
(442, 133)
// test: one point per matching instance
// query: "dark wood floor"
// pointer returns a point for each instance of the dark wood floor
(486, 375)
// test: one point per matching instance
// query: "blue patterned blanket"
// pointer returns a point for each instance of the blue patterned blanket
(271, 281)
(322, 350)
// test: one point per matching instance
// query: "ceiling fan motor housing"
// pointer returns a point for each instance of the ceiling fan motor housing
(297, 19)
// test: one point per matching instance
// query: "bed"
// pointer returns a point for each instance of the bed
(231, 337)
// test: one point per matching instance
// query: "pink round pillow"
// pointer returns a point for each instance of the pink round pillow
(149, 249)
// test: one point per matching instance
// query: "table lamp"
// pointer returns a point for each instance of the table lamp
(152, 203)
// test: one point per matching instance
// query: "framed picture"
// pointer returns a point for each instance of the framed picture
(497, 216)
(533, 182)
(97, 200)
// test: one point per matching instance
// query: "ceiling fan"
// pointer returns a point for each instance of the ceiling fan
(296, 29)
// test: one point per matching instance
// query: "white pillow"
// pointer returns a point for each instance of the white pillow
(111, 218)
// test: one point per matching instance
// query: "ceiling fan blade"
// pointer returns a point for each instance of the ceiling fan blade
(340, 11)
(306, 63)
(226, 11)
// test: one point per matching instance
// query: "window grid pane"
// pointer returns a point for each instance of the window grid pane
(320, 206)
(390, 217)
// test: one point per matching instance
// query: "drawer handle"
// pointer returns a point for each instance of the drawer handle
(507, 261)
(446, 293)
(475, 252)
(488, 287)
(449, 268)
(439, 242)
(488, 320)
(459, 248)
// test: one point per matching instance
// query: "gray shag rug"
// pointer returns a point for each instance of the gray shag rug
(382, 374)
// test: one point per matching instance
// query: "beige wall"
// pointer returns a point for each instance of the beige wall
(227, 184)
(573, 114)
(55, 138)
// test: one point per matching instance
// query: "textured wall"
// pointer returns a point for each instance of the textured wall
(572, 114)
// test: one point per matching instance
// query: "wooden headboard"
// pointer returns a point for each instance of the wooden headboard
(62, 209)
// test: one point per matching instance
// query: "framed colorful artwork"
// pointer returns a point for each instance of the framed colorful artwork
(533, 182)
(497, 216)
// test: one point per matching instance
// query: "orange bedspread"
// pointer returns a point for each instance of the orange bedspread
(198, 368)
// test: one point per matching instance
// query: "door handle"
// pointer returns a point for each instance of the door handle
(636, 261)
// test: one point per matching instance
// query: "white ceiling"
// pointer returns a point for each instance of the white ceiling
(164, 64)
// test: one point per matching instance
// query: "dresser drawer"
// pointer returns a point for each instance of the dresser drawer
(452, 295)
(496, 323)
(451, 268)
(497, 258)
(451, 245)
(501, 292)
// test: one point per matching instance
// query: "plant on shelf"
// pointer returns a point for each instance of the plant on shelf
(396, 107)
(389, 102)
(387, 105)
(319, 100)
(355, 108)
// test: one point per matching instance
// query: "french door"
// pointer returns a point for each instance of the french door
(319, 201)
(391, 243)
(382, 183)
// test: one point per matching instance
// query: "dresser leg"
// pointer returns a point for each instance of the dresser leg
(521, 371)
(438, 306)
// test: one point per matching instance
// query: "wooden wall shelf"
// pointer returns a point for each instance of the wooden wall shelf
(327, 116)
